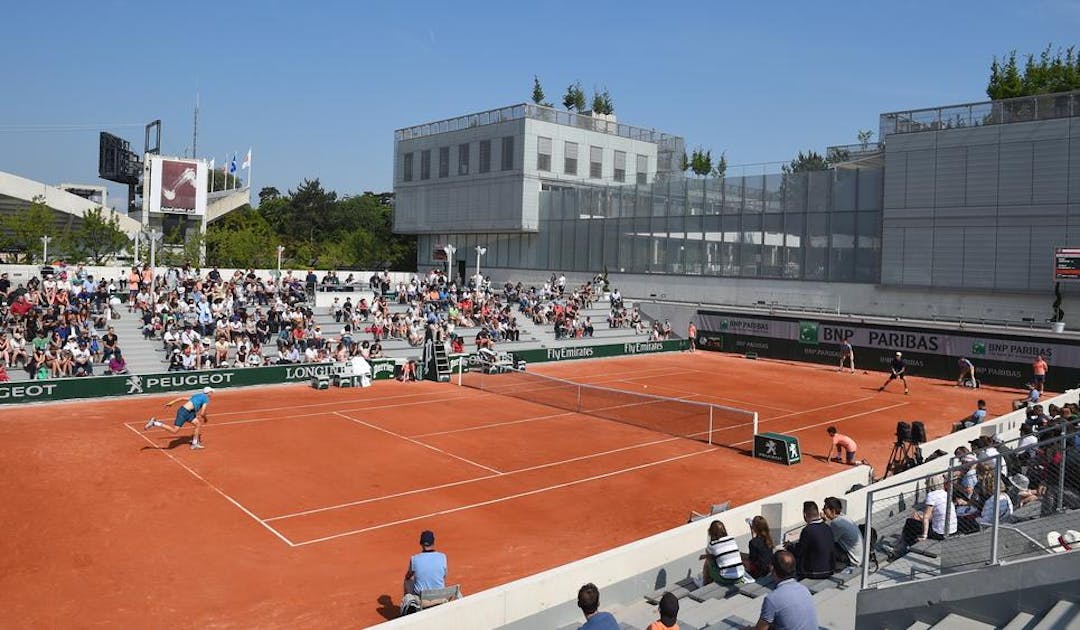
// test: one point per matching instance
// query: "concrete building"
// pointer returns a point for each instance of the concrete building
(954, 215)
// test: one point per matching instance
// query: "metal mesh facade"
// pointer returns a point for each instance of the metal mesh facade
(823, 225)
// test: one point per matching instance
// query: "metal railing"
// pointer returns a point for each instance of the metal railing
(538, 112)
(1002, 504)
(1020, 109)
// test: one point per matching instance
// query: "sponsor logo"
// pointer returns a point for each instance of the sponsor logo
(793, 451)
(904, 340)
(1017, 351)
(808, 333)
(183, 381)
(770, 448)
(648, 346)
(836, 334)
(978, 348)
(134, 384)
(27, 391)
(750, 326)
(381, 367)
(558, 354)
(304, 372)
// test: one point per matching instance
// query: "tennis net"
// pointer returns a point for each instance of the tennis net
(713, 424)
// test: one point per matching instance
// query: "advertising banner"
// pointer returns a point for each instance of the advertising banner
(1000, 359)
(176, 186)
(542, 355)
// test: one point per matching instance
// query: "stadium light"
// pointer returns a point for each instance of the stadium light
(280, 251)
(45, 249)
(480, 251)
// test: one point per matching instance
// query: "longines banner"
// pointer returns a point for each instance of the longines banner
(999, 359)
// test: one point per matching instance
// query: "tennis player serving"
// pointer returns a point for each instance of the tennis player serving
(193, 410)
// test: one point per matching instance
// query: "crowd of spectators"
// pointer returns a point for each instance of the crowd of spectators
(57, 324)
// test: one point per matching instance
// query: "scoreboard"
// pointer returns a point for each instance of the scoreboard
(1067, 263)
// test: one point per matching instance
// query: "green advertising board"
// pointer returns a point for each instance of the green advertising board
(381, 369)
(776, 447)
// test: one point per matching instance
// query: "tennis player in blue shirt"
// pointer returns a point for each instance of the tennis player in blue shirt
(193, 410)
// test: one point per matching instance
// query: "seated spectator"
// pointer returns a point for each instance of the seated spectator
(929, 522)
(723, 563)
(3, 373)
(116, 365)
(978, 416)
(588, 600)
(789, 606)
(176, 361)
(847, 539)
(669, 613)
(1002, 501)
(1032, 397)
(427, 571)
(1020, 491)
(758, 562)
(1027, 440)
(814, 550)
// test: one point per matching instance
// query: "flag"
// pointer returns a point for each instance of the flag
(232, 164)
(211, 164)
(247, 160)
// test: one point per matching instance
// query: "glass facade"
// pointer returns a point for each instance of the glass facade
(821, 225)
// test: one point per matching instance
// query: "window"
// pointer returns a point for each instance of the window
(620, 166)
(444, 161)
(642, 169)
(485, 156)
(596, 162)
(543, 154)
(463, 159)
(570, 159)
(406, 167)
(425, 164)
(508, 153)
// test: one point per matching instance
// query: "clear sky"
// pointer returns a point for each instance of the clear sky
(317, 88)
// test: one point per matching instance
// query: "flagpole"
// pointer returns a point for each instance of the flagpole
(251, 178)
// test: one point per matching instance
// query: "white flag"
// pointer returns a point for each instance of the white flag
(247, 160)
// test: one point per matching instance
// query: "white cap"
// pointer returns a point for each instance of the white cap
(899, 354)
(207, 389)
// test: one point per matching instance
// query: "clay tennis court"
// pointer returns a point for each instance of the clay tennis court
(305, 506)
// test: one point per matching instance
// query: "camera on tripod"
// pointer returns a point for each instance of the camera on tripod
(905, 453)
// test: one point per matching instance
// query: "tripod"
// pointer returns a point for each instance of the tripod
(904, 456)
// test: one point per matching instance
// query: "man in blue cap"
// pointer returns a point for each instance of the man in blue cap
(427, 571)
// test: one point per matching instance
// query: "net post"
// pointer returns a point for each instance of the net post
(577, 407)
(462, 364)
(755, 423)
(711, 409)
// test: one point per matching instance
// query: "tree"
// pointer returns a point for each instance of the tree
(684, 162)
(220, 180)
(1052, 72)
(268, 192)
(574, 97)
(720, 168)
(538, 91)
(810, 161)
(602, 103)
(21, 232)
(98, 238)
(701, 161)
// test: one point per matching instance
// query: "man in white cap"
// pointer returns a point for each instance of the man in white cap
(193, 410)
(897, 369)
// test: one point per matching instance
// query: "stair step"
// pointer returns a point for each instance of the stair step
(1022, 621)
(953, 621)
(919, 625)
(1062, 615)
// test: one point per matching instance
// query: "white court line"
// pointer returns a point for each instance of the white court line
(834, 420)
(417, 442)
(799, 413)
(322, 404)
(315, 413)
(495, 424)
(213, 487)
(500, 499)
(468, 481)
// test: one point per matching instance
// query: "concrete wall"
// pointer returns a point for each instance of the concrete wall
(981, 207)
(992, 595)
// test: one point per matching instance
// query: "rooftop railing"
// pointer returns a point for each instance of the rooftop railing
(1020, 109)
(537, 112)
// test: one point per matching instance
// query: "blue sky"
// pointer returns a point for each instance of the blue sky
(318, 88)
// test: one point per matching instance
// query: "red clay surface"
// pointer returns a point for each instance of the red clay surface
(305, 506)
